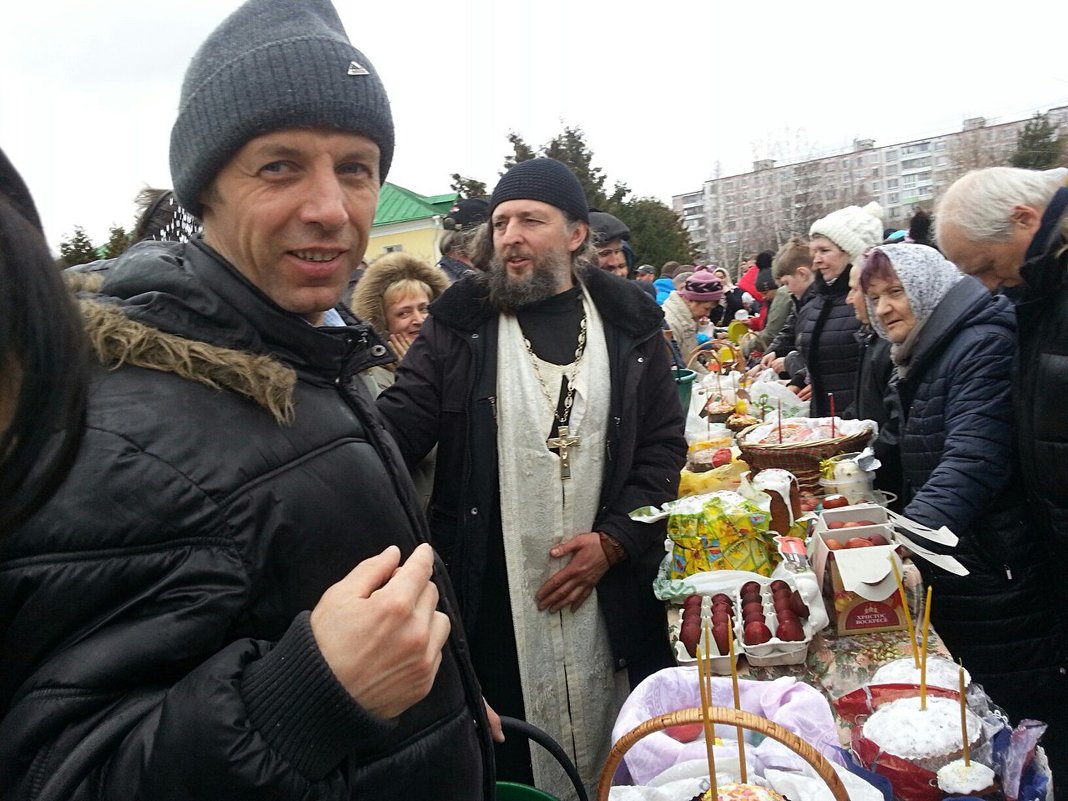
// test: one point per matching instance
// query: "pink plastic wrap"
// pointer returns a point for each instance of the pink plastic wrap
(791, 704)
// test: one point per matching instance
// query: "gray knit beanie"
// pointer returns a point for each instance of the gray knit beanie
(272, 64)
(546, 180)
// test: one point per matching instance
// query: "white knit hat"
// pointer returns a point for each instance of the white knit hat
(853, 229)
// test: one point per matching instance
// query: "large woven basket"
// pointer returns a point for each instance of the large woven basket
(733, 717)
(800, 458)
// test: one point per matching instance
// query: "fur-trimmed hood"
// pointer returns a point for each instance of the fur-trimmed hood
(383, 273)
(179, 308)
(117, 340)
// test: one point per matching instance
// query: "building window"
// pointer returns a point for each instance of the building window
(891, 183)
(891, 169)
(876, 186)
(892, 197)
(890, 155)
(875, 172)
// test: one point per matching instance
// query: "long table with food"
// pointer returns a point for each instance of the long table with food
(792, 597)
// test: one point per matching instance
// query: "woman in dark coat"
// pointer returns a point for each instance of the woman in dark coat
(952, 347)
(43, 365)
(822, 330)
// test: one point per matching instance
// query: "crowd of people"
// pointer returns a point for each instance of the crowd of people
(278, 523)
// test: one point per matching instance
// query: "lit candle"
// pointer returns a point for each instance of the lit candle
(738, 706)
(923, 651)
(908, 612)
(964, 720)
(704, 676)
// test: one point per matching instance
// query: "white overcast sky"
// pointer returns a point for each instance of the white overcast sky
(664, 90)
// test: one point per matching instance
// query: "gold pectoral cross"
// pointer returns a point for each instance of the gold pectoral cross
(563, 440)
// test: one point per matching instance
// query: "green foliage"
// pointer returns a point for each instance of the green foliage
(467, 187)
(655, 232)
(521, 151)
(1037, 146)
(118, 242)
(77, 248)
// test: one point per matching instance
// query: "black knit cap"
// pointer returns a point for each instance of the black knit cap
(607, 227)
(546, 180)
(273, 64)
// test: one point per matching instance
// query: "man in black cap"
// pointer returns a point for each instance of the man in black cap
(545, 384)
(610, 235)
(461, 224)
(233, 476)
(644, 277)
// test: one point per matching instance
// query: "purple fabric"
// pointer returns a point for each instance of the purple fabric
(786, 701)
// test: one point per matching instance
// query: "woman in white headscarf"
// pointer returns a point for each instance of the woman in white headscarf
(953, 347)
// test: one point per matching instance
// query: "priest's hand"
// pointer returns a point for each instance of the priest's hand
(573, 583)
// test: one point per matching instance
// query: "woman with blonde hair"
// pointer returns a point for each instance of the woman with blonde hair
(393, 296)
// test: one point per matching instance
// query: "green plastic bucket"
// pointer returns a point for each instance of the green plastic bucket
(684, 381)
(510, 791)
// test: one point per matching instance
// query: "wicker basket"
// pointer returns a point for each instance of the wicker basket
(800, 458)
(733, 717)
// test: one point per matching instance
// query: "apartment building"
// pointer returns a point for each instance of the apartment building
(734, 215)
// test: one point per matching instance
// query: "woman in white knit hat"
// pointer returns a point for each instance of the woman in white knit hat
(822, 331)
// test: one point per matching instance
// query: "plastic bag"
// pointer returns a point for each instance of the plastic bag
(719, 531)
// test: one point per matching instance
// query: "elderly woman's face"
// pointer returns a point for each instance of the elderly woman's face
(856, 299)
(827, 258)
(699, 309)
(891, 306)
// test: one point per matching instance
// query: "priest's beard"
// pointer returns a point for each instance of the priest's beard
(544, 280)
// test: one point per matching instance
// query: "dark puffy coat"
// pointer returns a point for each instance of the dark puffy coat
(445, 394)
(153, 626)
(958, 455)
(1043, 375)
(785, 342)
(823, 334)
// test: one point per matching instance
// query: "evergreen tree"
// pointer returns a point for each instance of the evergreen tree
(118, 242)
(521, 151)
(77, 248)
(1037, 146)
(656, 234)
(467, 187)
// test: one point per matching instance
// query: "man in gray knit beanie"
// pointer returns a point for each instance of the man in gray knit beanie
(259, 613)
(273, 64)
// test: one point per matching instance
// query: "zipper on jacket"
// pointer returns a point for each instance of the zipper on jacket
(1008, 572)
(493, 406)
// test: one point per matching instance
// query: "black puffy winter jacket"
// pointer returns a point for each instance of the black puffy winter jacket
(958, 455)
(154, 637)
(1043, 374)
(823, 334)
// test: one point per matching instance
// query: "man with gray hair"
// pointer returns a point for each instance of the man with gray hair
(231, 595)
(1009, 228)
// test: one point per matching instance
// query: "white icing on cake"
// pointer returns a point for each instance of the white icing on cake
(778, 481)
(901, 728)
(956, 779)
(940, 673)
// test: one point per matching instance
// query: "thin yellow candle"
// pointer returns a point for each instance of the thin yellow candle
(964, 720)
(704, 670)
(908, 612)
(923, 651)
(738, 706)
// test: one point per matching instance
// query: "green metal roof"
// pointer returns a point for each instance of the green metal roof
(397, 204)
